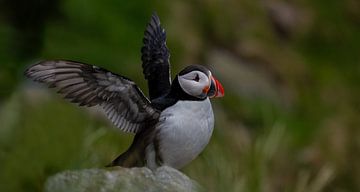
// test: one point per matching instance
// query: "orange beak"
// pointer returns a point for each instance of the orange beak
(215, 89)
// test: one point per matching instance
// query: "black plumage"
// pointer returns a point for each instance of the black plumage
(155, 59)
(124, 103)
(122, 100)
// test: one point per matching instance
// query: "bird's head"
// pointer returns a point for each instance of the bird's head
(197, 81)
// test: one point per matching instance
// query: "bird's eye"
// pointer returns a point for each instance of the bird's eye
(196, 78)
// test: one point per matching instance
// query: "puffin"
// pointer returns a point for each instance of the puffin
(172, 126)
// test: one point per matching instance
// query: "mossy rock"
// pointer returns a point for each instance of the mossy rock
(121, 179)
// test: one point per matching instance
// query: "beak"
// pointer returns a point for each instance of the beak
(216, 89)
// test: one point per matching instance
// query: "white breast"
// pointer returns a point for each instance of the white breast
(184, 130)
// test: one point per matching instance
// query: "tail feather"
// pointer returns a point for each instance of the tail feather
(128, 159)
(133, 157)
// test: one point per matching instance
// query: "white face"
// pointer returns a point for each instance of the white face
(194, 83)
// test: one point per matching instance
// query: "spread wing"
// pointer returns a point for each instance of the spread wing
(123, 102)
(155, 59)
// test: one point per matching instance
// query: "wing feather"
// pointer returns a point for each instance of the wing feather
(122, 101)
(155, 59)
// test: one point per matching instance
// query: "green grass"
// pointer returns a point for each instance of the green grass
(46, 136)
(305, 141)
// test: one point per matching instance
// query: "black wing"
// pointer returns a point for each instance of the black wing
(155, 59)
(123, 102)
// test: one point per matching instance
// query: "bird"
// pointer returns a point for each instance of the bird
(172, 126)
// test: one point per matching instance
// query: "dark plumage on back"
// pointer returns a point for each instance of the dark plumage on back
(155, 59)
(123, 102)
(164, 135)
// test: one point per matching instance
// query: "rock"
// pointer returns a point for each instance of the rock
(121, 179)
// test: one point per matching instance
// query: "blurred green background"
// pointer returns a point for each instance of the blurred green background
(291, 71)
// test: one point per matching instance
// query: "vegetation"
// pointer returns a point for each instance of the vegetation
(291, 71)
